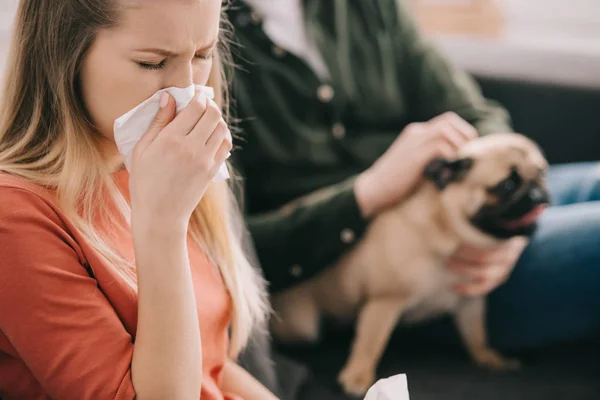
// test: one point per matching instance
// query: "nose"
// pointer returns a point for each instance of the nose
(182, 76)
(538, 195)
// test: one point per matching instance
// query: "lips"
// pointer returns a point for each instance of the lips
(527, 219)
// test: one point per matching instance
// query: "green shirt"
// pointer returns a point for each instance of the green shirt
(307, 139)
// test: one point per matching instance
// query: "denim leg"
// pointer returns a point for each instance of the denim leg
(574, 183)
(554, 292)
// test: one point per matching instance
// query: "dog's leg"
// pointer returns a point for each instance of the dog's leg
(296, 316)
(470, 321)
(376, 322)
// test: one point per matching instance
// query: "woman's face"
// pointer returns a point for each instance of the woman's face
(157, 44)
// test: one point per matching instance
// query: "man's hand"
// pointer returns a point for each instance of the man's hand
(484, 270)
(401, 167)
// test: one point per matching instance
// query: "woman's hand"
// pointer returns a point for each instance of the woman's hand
(483, 270)
(172, 165)
(174, 162)
(401, 167)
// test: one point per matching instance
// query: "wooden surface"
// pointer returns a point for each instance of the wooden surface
(481, 18)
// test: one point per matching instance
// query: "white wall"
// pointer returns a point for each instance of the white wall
(544, 40)
(570, 28)
(7, 11)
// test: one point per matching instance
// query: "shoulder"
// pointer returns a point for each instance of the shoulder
(29, 219)
(18, 195)
(37, 244)
(391, 13)
(381, 7)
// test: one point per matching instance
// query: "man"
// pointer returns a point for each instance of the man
(326, 92)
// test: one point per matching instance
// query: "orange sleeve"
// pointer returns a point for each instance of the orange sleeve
(52, 312)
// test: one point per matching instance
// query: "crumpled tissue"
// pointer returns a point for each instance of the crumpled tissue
(131, 126)
(393, 388)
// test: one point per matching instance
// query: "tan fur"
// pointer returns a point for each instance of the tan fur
(397, 273)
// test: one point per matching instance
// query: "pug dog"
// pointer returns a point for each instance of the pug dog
(493, 191)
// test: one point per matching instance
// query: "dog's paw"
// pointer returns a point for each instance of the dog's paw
(356, 379)
(495, 361)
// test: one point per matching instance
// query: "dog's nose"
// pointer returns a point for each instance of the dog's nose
(538, 195)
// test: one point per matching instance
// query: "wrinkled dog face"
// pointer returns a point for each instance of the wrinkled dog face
(495, 190)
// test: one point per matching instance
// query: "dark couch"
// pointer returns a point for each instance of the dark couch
(564, 121)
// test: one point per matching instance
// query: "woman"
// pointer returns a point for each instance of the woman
(79, 318)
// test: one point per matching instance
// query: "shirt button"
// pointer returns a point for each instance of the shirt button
(279, 52)
(296, 271)
(347, 236)
(255, 17)
(338, 131)
(325, 93)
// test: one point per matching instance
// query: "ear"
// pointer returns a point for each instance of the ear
(443, 172)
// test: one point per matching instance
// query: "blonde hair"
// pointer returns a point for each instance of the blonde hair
(47, 137)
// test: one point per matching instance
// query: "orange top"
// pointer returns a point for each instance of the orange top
(67, 320)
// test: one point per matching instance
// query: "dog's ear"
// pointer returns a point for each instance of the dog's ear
(443, 172)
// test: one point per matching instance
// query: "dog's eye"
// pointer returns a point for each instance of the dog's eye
(508, 186)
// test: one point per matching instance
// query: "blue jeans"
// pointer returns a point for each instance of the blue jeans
(553, 294)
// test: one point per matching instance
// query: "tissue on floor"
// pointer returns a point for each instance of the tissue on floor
(131, 126)
(393, 388)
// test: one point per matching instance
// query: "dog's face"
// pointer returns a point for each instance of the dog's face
(495, 190)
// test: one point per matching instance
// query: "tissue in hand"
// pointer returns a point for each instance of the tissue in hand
(394, 388)
(130, 127)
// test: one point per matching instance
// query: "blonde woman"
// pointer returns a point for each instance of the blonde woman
(117, 285)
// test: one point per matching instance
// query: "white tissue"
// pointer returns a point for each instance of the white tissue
(130, 127)
(394, 388)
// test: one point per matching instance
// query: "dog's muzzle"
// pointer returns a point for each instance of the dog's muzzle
(516, 216)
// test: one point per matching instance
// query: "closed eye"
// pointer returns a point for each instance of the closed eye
(206, 56)
(161, 65)
(152, 66)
